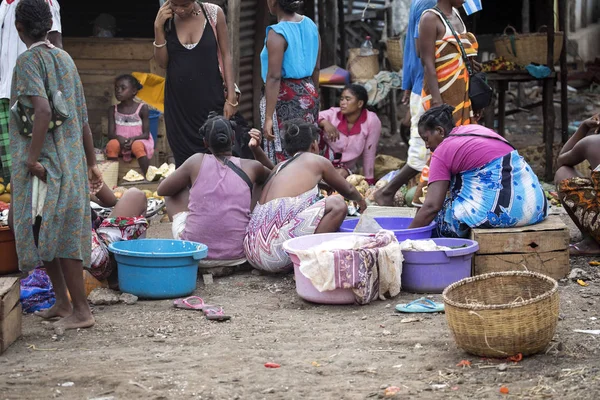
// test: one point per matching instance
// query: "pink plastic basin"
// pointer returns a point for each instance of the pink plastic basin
(304, 286)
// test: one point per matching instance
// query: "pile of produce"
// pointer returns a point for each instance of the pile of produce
(153, 174)
(120, 190)
(4, 192)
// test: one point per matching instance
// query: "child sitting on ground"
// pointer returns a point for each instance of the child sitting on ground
(290, 204)
(129, 125)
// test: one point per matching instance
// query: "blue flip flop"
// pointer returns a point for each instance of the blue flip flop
(422, 305)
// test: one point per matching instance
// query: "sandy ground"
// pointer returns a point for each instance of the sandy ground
(151, 350)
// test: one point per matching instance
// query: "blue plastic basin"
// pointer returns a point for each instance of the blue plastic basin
(398, 225)
(153, 117)
(158, 268)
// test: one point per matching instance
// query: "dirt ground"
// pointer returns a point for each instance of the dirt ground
(152, 350)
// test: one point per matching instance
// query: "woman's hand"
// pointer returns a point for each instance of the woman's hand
(592, 124)
(164, 13)
(406, 97)
(37, 169)
(331, 131)
(477, 67)
(255, 138)
(229, 110)
(268, 129)
(362, 205)
(94, 179)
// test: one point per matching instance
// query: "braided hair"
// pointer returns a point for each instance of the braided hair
(35, 17)
(218, 133)
(132, 80)
(439, 116)
(298, 135)
(290, 6)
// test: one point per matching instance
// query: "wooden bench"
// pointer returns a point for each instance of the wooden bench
(542, 248)
(10, 311)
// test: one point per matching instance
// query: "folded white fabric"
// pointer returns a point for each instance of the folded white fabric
(421, 245)
(38, 197)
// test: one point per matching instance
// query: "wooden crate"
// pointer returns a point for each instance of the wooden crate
(542, 248)
(10, 312)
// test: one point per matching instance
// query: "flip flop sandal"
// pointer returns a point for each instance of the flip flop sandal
(216, 314)
(422, 305)
(575, 251)
(191, 303)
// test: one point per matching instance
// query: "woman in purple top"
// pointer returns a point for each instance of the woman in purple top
(491, 185)
(209, 197)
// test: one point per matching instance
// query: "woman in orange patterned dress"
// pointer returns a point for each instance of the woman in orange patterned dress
(579, 195)
(446, 78)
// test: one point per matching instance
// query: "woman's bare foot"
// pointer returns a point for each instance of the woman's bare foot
(383, 199)
(56, 311)
(75, 321)
(587, 247)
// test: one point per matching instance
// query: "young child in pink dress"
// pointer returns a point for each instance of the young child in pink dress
(129, 125)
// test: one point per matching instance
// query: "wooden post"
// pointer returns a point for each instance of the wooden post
(525, 16)
(564, 94)
(262, 21)
(233, 28)
(548, 98)
(342, 34)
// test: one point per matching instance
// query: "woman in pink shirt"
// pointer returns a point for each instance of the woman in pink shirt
(350, 131)
(491, 185)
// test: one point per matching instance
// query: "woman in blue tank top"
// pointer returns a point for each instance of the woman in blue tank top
(290, 71)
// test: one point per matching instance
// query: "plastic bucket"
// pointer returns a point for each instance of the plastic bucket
(153, 119)
(398, 225)
(158, 268)
(304, 286)
(433, 271)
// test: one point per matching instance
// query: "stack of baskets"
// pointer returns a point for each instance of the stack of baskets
(526, 48)
(502, 314)
(395, 53)
(362, 68)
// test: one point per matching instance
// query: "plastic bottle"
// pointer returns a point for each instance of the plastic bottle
(366, 49)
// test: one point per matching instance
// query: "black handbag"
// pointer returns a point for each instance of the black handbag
(480, 92)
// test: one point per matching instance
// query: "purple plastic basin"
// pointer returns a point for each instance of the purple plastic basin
(304, 286)
(398, 225)
(432, 271)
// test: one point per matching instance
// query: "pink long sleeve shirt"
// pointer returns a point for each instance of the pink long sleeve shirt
(353, 146)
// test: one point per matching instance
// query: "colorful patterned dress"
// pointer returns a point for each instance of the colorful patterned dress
(65, 227)
(452, 73)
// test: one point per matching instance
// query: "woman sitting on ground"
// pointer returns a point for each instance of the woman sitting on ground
(491, 185)
(127, 221)
(290, 204)
(579, 195)
(350, 131)
(209, 197)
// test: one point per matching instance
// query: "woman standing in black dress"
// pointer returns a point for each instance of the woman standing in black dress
(199, 71)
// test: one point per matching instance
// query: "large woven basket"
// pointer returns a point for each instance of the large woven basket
(362, 68)
(502, 314)
(395, 53)
(526, 48)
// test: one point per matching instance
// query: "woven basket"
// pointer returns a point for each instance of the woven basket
(110, 173)
(502, 314)
(524, 49)
(362, 68)
(395, 53)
